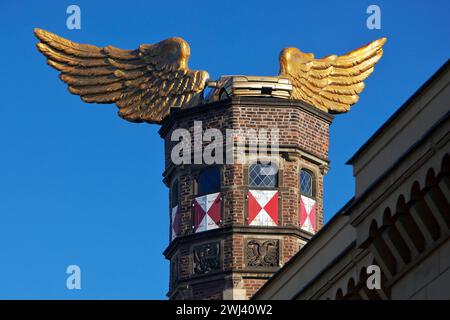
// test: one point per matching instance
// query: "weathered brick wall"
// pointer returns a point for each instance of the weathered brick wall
(234, 193)
(289, 248)
(298, 128)
(252, 285)
(303, 140)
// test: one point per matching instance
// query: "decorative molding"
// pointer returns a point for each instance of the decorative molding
(262, 253)
(235, 229)
(206, 258)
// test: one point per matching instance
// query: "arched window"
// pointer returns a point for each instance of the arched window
(263, 175)
(209, 181)
(174, 198)
(306, 183)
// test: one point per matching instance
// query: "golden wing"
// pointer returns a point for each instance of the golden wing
(144, 83)
(331, 83)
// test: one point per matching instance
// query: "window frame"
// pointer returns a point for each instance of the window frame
(277, 178)
(313, 182)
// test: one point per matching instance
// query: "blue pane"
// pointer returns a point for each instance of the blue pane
(209, 181)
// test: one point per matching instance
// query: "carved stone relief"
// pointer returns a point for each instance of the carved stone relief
(206, 258)
(262, 253)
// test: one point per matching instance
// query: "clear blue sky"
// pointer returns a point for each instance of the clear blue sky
(78, 185)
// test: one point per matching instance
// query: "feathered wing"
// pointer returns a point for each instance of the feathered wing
(332, 83)
(144, 83)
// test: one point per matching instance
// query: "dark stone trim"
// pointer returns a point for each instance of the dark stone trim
(230, 230)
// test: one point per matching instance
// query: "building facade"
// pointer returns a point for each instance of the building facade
(233, 225)
(398, 220)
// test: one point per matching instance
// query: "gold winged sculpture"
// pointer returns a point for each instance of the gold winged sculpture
(144, 83)
(332, 83)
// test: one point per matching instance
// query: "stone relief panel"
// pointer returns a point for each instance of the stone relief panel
(262, 253)
(206, 258)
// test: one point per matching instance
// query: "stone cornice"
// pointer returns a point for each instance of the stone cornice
(243, 101)
(230, 230)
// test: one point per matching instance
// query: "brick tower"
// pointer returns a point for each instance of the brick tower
(233, 225)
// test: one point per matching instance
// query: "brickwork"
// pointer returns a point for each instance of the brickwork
(303, 144)
(252, 285)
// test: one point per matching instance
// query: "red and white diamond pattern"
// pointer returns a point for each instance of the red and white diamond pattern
(308, 214)
(263, 207)
(176, 222)
(207, 212)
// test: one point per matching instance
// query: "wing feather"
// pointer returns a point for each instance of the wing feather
(67, 46)
(144, 83)
(332, 83)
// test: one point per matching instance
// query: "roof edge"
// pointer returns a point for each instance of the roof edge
(442, 70)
